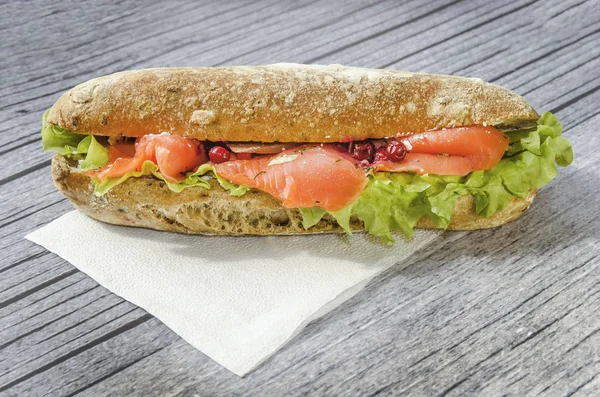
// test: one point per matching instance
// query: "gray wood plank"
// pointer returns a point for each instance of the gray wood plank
(513, 315)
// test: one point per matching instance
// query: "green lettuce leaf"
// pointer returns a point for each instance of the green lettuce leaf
(59, 140)
(96, 154)
(396, 201)
(311, 216)
(191, 179)
(66, 143)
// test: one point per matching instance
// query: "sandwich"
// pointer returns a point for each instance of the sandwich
(293, 149)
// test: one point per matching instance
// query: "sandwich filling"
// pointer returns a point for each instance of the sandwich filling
(389, 184)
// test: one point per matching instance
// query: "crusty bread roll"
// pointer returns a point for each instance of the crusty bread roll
(274, 103)
(148, 202)
(284, 103)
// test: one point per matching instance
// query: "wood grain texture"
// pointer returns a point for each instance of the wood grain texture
(512, 311)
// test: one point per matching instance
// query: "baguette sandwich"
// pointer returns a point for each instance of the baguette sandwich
(288, 149)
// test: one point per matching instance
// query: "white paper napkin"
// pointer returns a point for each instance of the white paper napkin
(236, 299)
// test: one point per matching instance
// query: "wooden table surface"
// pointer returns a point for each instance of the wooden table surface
(511, 311)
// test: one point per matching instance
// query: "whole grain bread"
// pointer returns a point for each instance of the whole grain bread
(285, 103)
(148, 202)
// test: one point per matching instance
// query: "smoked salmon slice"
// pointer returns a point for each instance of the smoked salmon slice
(450, 151)
(303, 177)
(173, 154)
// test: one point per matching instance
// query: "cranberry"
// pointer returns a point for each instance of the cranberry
(396, 150)
(381, 154)
(218, 154)
(244, 156)
(362, 150)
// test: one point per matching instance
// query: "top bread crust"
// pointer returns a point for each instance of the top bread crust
(284, 103)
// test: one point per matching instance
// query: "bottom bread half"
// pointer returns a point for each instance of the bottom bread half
(148, 202)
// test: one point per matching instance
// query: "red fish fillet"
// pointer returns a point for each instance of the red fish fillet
(302, 177)
(451, 151)
(173, 154)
